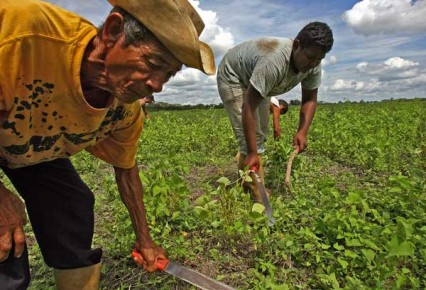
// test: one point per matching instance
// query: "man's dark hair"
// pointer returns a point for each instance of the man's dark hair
(134, 31)
(285, 105)
(150, 97)
(316, 34)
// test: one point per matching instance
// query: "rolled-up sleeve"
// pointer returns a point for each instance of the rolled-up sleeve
(120, 147)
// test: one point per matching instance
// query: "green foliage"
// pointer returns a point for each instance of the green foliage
(357, 220)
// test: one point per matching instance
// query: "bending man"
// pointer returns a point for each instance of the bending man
(250, 73)
(66, 86)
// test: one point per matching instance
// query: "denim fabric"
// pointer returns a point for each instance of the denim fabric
(232, 97)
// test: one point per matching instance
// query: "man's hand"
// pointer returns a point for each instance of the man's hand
(12, 220)
(300, 140)
(307, 112)
(252, 160)
(148, 256)
(277, 134)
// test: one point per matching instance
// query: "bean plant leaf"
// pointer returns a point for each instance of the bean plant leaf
(224, 181)
(369, 254)
(257, 207)
(403, 249)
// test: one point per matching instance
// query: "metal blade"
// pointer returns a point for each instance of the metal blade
(265, 200)
(195, 278)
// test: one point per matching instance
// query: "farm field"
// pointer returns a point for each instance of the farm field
(357, 219)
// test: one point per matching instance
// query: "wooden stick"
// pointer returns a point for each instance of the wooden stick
(288, 172)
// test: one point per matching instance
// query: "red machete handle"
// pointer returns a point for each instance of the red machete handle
(161, 263)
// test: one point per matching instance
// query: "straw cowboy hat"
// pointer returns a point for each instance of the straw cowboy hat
(177, 25)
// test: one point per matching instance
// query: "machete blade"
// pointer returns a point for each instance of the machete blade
(195, 278)
(264, 196)
(186, 274)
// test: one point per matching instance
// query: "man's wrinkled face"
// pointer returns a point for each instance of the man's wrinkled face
(304, 59)
(135, 71)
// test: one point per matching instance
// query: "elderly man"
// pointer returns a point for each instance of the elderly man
(66, 86)
(250, 73)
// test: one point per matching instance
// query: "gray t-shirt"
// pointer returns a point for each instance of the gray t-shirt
(265, 63)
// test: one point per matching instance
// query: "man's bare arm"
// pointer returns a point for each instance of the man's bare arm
(307, 112)
(131, 192)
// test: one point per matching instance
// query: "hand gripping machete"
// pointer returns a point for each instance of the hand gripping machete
(188, 275)
(263, 195)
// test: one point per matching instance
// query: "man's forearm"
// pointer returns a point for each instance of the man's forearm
(307, 110)
(251, 102)
(276, 122)
(131, 192)
(249, 126)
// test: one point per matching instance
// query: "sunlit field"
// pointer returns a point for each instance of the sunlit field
(356, 219)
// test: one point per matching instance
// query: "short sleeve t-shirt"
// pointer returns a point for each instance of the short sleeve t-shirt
(43, 113)
(265, 64)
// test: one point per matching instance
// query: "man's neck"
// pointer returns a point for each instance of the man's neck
(92, 71)
(293, 67)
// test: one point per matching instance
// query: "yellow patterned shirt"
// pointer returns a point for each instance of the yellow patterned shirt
(43, 113)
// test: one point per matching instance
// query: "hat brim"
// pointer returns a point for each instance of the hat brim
(177, 25)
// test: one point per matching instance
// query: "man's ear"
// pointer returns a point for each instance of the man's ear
(112, 29)
(296, 44)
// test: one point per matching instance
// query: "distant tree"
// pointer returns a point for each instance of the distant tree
(295, 102)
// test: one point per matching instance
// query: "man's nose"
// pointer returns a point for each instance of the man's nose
(156, 81)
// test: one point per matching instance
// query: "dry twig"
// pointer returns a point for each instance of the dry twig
(288, 172)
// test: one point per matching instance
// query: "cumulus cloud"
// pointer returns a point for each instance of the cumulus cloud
(190, 86)
(366, 86)
(370, 17)
(394, 77)
(354, 73)
(392, 69)
(331, 60)
(219, 39)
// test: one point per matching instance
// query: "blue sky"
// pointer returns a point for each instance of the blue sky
(379, 50)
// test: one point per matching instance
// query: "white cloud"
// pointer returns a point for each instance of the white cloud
(331, 60)
(190, 86)
(369, 86)
(397, 62)
(219, 39)
(370, 17)
(394, 77)
(392, 69)
(360, 68)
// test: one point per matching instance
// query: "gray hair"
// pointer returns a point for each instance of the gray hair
(134, 31)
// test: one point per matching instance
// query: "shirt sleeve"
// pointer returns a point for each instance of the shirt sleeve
(265, 76)
(119, 149)
(8, 67)
(313, 80)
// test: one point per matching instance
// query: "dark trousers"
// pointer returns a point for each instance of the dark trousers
(60, 208)
(15, 273)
